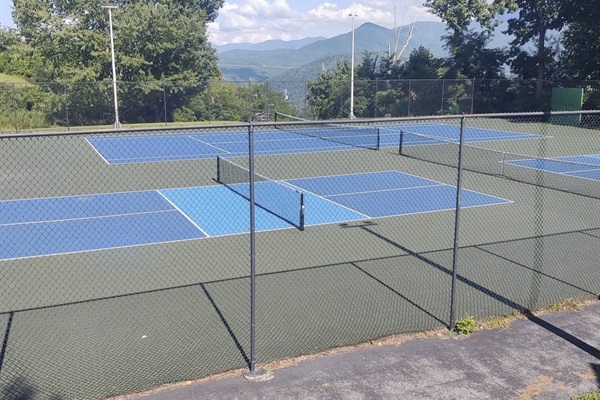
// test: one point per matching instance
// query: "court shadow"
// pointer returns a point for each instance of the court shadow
(575, 341)
(227, 326)
(5, 339)
(20, 389)
(596, 369)
(367, 226)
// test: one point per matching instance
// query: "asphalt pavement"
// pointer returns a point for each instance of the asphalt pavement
(543, 356)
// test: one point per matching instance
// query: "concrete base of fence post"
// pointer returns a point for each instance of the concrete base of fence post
(259, 375)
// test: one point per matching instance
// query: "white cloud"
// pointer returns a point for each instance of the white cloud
(259, 20)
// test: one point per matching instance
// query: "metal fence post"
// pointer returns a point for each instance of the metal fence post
(252, 252)
(14, 96)
(208, 101)
(409, 95)
(472, 96)
(67, 107)
(443, 91)
(457, 225)
(253, 374)
(165, 101)
(249, 100)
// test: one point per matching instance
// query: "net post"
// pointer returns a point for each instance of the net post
(378, 138)
(400, 142)
(301, 227)
(219, 169)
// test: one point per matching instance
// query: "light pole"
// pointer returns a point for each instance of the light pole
(351, 116)
(114, 72)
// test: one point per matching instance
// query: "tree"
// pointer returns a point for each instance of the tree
(459, 14)
(470, 57)
(581, 40)
(535, 19)
(17, 57)
(421, 64)
(329, 96)
(155, 42)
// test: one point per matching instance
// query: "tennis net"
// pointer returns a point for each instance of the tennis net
(545, 172)
(274, 197)
(364, 137)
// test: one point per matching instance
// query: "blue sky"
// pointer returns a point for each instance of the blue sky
(255, 21)
(5, 10)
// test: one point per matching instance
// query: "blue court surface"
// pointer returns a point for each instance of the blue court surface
(155, 148)
(582, 166)
(60, 225)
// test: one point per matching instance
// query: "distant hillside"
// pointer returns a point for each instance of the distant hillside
(261, 62)
(268, 45)
(288, 67)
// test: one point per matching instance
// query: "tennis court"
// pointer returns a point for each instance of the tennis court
(288, 140)
(144, 267)
(104, 221)
(582, 166)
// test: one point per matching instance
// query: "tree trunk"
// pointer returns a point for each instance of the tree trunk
(541, 62)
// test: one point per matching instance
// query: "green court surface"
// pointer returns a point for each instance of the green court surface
(102, 323)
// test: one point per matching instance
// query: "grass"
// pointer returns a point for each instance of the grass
(466, 326)
(132, 126)
(4, 78)
(595, 395)
(469, 324)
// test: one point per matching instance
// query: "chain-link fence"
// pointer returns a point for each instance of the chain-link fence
(132, 258)
(27, 107)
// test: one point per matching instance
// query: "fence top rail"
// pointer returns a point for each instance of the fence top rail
(167, 83)
(246, 125)
(113, 130)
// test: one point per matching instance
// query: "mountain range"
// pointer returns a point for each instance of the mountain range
(302, 60)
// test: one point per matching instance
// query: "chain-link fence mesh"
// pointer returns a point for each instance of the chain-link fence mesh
(26, 107)
(125, 258)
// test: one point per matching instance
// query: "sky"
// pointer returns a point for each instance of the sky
(255, 21)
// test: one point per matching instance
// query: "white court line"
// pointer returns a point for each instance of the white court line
(470, 127)
(182, 157)
(329, 201)
(204, 156)
(371, 172)
(245, 233)
(96, 151)
(51, 221)
(208, 144)
(182, 213)
(567, 173)
(85, 195)
(437, 183)
(386, 190)
(237, 234)
(98, 249)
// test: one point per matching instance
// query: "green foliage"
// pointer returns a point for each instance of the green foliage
(466, 326)
(33, 106)
(229, 102)
(4, 78)
(329, 95)
(581, 40)
(595, 395)
(458, 14)
(379, 88)
(157, 46)
(470, 57)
